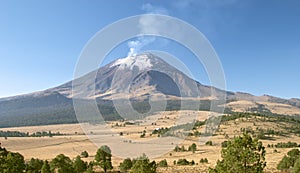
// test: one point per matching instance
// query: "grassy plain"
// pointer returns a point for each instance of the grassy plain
(130, 144)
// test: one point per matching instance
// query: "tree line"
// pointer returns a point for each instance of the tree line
(27, 134)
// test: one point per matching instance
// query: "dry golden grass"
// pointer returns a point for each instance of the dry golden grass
(276, 108)
(281, 108)
(241, 105)
(72, 145)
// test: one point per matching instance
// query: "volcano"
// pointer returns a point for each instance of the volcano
(139, 78)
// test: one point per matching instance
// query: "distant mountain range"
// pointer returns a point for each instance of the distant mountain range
(137, 78)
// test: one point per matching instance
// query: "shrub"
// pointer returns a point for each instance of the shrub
(209, 143)
(224, 144)
(163, 163)
(84, 154)
(204, 160)
(183, 162)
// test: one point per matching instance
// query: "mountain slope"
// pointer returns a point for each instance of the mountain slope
(138, 78)
(128, 75)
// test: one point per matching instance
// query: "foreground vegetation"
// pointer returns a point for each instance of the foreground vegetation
(241, 154)
(244, 153)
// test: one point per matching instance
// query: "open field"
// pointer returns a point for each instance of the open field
(276, 108)
(130, 144)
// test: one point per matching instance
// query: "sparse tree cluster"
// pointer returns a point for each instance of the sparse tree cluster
(140, 165)
(192, 148)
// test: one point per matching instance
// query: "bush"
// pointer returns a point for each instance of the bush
(204, 160)
(209, 143)
(192, 162)
(84, 154)
(163, 163)
(143, 135)
(183, 162)
(224, 144)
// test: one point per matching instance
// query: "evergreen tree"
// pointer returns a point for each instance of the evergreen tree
(14, 163)
(296, 168)
(193, 147)
(84, 154)
(163, 163)
(34, 166)
(79, 165)
(143, 165)
(103, 158)
(289, 160)
(3, 154)
(46, 167)
(126, 165)
(242, 154)
(61, 164)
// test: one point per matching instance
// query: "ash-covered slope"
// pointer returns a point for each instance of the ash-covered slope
(138, 78)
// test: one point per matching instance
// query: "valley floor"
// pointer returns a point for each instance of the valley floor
(130, 144)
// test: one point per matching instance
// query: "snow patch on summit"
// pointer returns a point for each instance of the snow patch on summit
(141, 61)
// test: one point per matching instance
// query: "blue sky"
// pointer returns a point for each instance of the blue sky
(258, 42)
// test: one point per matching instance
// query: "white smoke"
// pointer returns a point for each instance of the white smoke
(135, 46)
(150, 9)
(146, 24)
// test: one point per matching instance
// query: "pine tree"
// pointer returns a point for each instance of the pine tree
(242, 154)
(14, 162)
(45, 167)
(61, 164)
(126, 165)
(296, 168)
(103, 158)
(143, 165)
(34, 165)
(288, 161)
(79, 165)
